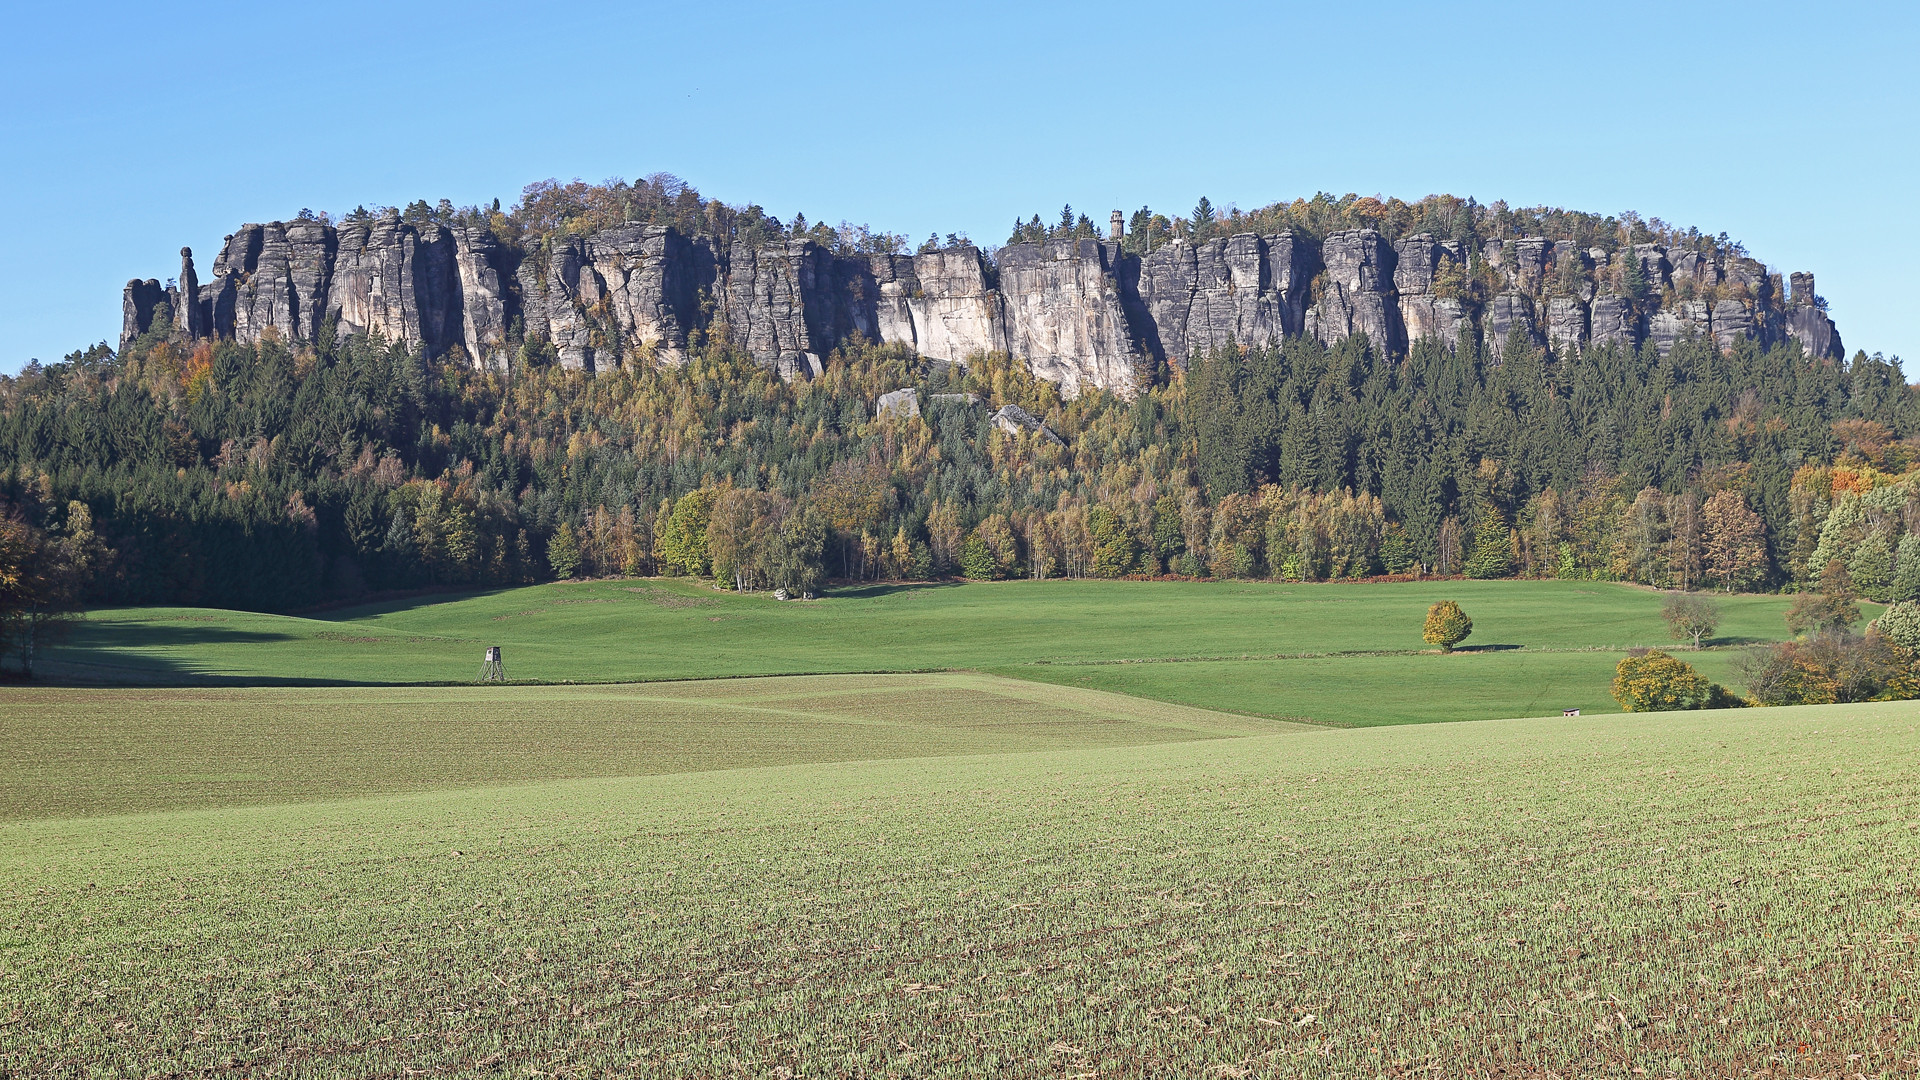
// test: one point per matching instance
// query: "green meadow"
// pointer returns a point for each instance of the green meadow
(1060, 829)
(1344, 654)
(342, 882)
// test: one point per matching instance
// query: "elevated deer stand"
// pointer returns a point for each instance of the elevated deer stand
(491, 671)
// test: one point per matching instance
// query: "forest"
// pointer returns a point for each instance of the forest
(277, 478)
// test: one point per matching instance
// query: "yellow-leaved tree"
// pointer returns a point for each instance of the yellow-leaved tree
(1447, 625)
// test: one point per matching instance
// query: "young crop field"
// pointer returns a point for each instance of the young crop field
(79, 752)
(1700, 894)
(1275, 650)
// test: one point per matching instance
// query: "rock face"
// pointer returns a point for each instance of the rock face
(1079, 312)
(1807, 320)
(1509, 314)
(138, 303)
(903, 403)
(1356, 291)
(1192, 297)
(940, 303)
(1424, 275)
(1064, 315)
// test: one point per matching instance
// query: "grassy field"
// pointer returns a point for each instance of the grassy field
(1682, 894)
(92, 752)
(1338, 654)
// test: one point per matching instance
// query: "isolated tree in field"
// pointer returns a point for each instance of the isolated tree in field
(1830, 608)
(1447, 625)
(1690, 616)
(1656, 682)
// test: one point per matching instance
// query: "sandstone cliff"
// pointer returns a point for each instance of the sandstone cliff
(1079, 312)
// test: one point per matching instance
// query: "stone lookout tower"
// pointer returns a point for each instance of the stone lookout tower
(1116, 226)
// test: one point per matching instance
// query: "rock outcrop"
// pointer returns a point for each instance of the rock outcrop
(903, 403)
(1079, 312)
(1014, 420)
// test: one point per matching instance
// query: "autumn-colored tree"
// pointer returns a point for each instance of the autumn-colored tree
(1733, 543)
(945, 535)
(853, 497)
(739, 534)
(1835, 667)
(1003, 550)
(44, 574)
(1686, 530)
(1655, 682)
(1641, 551)
(1447, 625)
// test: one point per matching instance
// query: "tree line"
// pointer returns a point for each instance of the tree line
(277, 478)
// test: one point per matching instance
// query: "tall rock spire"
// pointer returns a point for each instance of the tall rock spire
(191, 319)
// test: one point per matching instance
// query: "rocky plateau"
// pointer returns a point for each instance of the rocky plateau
(1079, 312)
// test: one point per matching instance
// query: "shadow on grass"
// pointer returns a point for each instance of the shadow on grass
(870, 592)
(87, 635)
(388, 606)
(1486, 648)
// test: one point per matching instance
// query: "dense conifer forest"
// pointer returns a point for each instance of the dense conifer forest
(269, 477)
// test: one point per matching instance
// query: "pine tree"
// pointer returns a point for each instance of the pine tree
(1633, 278)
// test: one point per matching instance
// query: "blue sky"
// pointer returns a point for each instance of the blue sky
(131, 129)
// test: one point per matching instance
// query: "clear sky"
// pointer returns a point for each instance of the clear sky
(130, 130)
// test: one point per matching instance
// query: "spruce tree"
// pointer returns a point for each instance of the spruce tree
(1872, 567)
(1492, 547)
(1203, 219)
(1906, 572)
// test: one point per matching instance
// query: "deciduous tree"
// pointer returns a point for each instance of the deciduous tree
(1690, 617)
(1446, 626)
